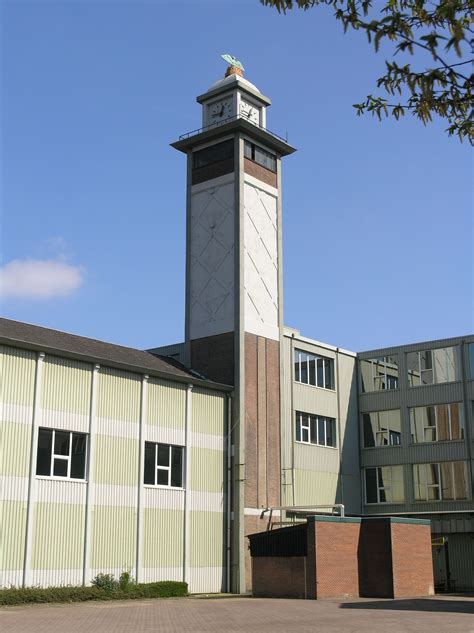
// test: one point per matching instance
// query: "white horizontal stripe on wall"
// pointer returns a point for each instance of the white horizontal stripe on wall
(18, 413)
(258, 512)
(206, 579)
(117, 496)
(60, 491)
(14, 489)
(117, 428)
(155, 574)
(163, 434)
(65, 420)
(11, 578)
(202, 440)
(206, 501)
(56, 577)
(164, 498)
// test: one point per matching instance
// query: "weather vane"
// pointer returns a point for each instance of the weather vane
(235, 66)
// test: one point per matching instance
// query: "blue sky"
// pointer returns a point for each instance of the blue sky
(377, 216)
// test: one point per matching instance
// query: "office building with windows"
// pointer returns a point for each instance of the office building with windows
(160, 462)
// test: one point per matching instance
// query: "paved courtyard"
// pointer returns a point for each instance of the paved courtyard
(245, 615)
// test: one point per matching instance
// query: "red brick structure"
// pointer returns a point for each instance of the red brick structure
(334, 557)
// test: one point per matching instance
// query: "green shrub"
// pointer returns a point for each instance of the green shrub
(32, 595)
(105, 581)
(125, 581)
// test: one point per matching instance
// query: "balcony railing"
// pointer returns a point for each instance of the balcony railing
(224, 122)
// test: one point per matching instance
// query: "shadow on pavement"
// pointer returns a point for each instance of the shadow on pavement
(416, 604)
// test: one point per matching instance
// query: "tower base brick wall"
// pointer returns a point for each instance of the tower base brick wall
(412, 560)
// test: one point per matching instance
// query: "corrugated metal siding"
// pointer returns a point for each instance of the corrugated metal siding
(315, 487)
(208, 412)
(311, 399)
(63, 492)
(66, 385)
(13, 531)
(113, 543)
(166, 403)
(18, 375)
(207, 470)
(206, 542)
(317, 458)
(286, 422)
(163, 538)
(58, 537)
(118, 396)
(420, 453)
(411, 397)
(116, 460)
(15, 442)
(461, 561)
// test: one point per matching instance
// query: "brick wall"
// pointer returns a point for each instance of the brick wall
(412, 560)
(337, 574)
(279, 577)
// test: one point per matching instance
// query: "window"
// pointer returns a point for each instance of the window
(314, 370)
(260, 156)
(382, 428)
(163, 465)
(438, 423)
(446, 481)
(384, 484)
(379, 373)
(213, 154)
(315, 429)
(61, 454)
(432, 366)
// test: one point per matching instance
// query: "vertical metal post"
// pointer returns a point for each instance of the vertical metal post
(90, 476)
(141, 462)
(32, 472)
(187, 480)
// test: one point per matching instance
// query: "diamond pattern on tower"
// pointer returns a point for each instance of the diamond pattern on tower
(212, 261)
(261, 262)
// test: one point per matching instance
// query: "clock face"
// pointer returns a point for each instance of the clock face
(250, 112)
(220, 110)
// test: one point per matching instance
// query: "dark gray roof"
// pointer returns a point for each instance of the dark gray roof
(39, 338)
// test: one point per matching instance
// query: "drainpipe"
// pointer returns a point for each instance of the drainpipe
(338, 400)
(228, 491)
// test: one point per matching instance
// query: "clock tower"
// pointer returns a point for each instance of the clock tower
(234, 302)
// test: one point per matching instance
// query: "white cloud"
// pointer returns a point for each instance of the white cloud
(39, 278)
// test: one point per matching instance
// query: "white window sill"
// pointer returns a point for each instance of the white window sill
(70, 479)
(307, 384)
(152, 487)
(334, 448)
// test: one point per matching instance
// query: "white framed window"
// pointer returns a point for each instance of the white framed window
(163, 465)
(437, 423)
(384, 484)
(61, 454)
(379, 374)
(314, 370)
(432, 366)
(382, 428)
(315, 429)
(444, 481)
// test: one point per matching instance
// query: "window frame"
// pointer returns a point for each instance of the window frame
(168, 469)
(384, 487)
(432, 370)
(67, 458)
(427, 427)
(326, 363)
(440, 484)
(384, 378)
(387, 431)
(312, 421)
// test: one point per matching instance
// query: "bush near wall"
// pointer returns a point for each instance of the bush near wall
(32, 595)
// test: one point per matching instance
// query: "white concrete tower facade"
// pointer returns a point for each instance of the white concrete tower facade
(234, 307)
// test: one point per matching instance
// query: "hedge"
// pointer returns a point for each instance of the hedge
(31, 595)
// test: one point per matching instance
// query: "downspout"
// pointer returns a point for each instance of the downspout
(187, 482)
(339, 433)
(228, 491)
(292, 380)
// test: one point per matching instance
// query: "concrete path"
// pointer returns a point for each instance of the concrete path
(245, 615)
